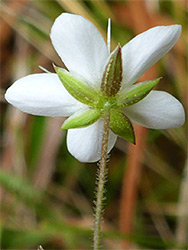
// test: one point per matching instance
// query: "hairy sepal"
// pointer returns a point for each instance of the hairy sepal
(82, 118)
(138, 91)
(78, 89)
(112, 77)
(121, 125)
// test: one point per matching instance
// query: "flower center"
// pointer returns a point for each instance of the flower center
(106, 103)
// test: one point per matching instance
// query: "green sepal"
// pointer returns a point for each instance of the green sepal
(138, 91)
(78, 89)
(121, 125)
(82, 119)
(112, 77)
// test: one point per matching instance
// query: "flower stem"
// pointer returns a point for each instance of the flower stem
(101, 178)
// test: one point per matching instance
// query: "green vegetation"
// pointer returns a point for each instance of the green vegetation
(46, 195)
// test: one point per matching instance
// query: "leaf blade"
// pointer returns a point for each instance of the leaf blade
(82, 119)
(138, 92)
(112, 77)
(121, 125)
(78, 89)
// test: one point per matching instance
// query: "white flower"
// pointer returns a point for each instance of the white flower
(85, 54)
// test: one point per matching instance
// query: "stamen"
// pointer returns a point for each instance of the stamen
(109, 34)
(45, 70)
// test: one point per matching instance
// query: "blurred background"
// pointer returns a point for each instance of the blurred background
(46, 195)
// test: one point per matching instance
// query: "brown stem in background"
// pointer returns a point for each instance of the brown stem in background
(130, 183)
(141, 20)
(12, 159)
(182, 221)
(46, 164)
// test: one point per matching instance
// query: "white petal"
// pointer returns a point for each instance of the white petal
(80, 46)
(146, 49)
(85, 143)
(42, 94)
(158, 110)
(109, 35)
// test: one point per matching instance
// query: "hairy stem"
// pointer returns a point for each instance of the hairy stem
(101, 177)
